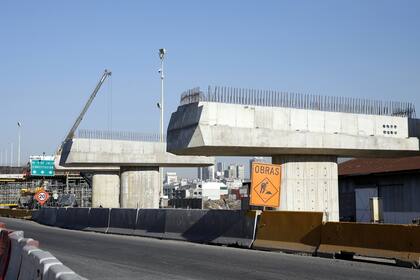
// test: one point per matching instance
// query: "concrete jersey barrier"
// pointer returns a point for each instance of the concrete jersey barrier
(289, 231)
(233, 227)
(35, 215)
(77, 218)
(15, 255)
(224, 227)
(4, 252)
(98, 220)
(150, 223)
(122, 221)
(61, 217)
(48, 216)
(26, 261)
(399, 242)
(187, 225)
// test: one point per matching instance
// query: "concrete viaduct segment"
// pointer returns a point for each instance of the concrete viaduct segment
(303, 133)
(126, 172)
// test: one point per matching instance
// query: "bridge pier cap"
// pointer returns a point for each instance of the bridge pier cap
(223, 121)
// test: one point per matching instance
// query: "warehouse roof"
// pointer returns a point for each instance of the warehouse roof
(364, 166)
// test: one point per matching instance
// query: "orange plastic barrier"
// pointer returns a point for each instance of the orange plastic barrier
(399, 242)
(289, 231)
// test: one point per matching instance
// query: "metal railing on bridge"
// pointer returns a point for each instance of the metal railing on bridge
(273, 98)
(118, 135)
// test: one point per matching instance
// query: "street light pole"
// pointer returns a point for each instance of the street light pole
(18, 159)
(162, 53)
(11, 154)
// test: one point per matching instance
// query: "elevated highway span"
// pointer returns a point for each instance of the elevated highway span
(126, 172)
(305, 134)
(100, 256)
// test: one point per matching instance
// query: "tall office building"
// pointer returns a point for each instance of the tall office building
(200, 173)
(230, 172)
(220, 167)
(240, 172)
(208, 173)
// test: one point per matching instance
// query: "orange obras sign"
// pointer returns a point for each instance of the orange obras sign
(41, 196)
(265, 184)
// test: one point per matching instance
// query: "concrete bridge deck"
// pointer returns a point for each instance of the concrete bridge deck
(305, 134)
(126, 173)
(103, 152)
(213, 128)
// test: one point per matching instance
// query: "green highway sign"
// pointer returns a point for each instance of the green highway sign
(42, 167)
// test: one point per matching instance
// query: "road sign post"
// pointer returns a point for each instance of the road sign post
(41, 196)
(265, 185)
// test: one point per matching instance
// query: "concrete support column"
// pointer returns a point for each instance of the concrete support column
(309, 183)
(106, 190)
(140, 187)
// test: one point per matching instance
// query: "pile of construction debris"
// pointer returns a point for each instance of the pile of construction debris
(224, 203)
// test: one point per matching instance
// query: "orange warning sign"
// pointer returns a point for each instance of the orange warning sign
(265, 184)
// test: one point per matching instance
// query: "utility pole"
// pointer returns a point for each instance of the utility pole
(162, 53)
(11, 154)
(19, 124)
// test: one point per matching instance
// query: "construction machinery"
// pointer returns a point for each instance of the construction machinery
(26, 199)
(76, 124)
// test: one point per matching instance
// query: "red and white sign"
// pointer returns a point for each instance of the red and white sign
(41, 196)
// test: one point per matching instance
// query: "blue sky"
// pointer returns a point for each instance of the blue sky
(53, 52)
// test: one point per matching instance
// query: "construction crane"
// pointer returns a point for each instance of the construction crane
(76, 124)
(24, 196)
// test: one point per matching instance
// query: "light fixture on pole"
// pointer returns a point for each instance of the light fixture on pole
(162, 53)
(19, 124)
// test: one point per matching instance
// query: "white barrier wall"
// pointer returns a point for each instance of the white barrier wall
(28, 262)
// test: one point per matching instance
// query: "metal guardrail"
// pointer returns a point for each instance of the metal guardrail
(118, 135)
(272, 98)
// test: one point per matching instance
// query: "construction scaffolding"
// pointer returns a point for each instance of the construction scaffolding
(12, 194)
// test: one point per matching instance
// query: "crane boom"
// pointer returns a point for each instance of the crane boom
(76, 124)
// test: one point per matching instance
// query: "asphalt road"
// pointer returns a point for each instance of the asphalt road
(100, 256)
